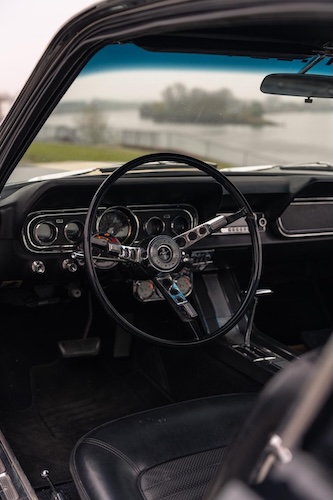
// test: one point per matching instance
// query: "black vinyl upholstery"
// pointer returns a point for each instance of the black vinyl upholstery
(173, 452)
(166, 453)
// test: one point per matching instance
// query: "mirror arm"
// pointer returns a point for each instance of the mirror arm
(315, 60)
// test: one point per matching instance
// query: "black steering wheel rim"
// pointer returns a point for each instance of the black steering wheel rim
(253, 230)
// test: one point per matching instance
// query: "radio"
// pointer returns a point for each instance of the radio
(240, 226)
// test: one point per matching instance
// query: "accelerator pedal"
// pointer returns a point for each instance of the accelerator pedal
(79, 347)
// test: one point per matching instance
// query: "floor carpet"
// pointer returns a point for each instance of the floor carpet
(70, 397)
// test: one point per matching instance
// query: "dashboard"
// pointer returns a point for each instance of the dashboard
(41, 230)
(43, 221)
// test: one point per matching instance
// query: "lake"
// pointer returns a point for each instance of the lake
(296, 137)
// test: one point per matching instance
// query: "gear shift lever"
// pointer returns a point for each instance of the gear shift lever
(251, 351)
(247, 336)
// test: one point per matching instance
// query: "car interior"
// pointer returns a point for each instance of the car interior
(166, 315)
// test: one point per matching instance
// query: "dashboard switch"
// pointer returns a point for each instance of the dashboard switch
(70, 265)
(38, 267)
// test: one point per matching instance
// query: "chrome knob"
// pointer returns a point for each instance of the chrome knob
(38, 267)
(69, 265)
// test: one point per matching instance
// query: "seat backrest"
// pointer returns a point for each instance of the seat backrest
(271, 408)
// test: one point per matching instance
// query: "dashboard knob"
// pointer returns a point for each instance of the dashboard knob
(38, 267)
(74, 291)
(69, 265)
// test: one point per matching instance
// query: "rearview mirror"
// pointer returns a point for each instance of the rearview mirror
(299, 84)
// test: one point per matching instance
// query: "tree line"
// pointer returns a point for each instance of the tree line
(182, 105)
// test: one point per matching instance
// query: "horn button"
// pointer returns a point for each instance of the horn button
(163, 253)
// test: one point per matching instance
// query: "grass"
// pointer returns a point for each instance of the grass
(44, 152)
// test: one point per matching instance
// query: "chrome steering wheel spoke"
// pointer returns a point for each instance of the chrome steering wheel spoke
(188, 238)
(125, 253)
(118, 252)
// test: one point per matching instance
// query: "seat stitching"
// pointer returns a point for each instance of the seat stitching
(111, 449)
(189, 469)
(203, 481)
(173, 476)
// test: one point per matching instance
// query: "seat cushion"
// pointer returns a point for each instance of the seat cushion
(170, 452)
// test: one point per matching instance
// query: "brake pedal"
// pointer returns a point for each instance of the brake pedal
(79, 347)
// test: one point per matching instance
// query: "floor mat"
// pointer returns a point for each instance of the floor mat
(71, 397)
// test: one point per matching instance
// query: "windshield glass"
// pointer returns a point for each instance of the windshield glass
(128, 101)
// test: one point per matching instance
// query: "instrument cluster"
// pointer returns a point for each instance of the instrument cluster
(62, 231)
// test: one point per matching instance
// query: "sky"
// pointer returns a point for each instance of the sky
(146, 85)
(26, 28)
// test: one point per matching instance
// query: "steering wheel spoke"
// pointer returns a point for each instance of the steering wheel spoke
(183, 308)
(188, 238)
(175, 297)
(118, 252)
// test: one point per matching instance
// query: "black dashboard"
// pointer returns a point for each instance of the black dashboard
(45, 220)
(41, 227)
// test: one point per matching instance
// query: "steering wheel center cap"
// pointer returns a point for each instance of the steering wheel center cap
(163, 253)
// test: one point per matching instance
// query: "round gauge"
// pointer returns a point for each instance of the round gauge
(184, 284)
(116, 223)
(154, 226)
(145, 289)
(73, 231)
(45, 233)
(180, 224)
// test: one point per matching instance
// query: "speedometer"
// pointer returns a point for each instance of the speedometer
(118, 223)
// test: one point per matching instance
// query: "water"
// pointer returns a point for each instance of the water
(296, 137)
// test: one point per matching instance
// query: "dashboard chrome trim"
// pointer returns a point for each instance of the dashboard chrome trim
(36, 217)
(305, 234)
(66, 216)
(240, 226)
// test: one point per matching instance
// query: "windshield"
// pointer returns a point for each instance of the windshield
(128, 101)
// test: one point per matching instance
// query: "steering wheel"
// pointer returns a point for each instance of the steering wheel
(165, 254)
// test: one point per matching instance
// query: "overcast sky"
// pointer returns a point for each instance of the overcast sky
(26, 28)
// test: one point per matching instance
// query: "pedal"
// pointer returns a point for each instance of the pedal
(79, 347)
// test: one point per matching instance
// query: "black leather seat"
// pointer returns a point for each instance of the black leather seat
(173, 452)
